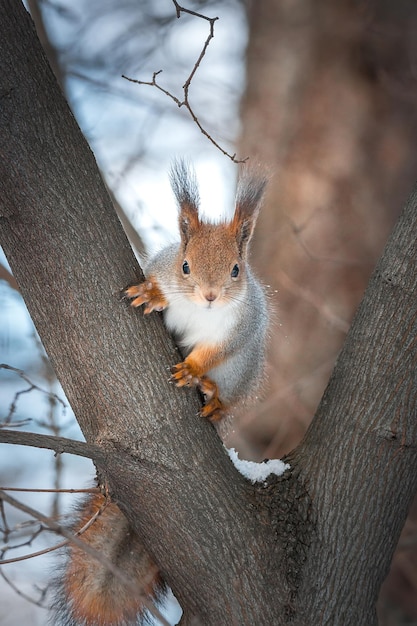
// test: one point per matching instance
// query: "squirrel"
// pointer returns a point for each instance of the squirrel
(217, 312)
(212, 303)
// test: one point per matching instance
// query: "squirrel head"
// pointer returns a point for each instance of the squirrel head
(212, 260)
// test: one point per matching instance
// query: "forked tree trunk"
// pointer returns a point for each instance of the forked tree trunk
(310, 547)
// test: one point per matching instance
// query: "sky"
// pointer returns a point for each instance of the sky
(136, 131)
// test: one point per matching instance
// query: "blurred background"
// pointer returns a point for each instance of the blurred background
(324, 95)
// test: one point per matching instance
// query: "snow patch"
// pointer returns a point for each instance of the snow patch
(257, 472)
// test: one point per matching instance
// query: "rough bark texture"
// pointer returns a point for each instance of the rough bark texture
(365, 450)
(311, 547)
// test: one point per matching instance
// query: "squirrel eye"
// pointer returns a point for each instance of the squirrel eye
(185, 268)
(235, 271)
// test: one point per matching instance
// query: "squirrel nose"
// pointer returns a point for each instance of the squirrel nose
(210, 296)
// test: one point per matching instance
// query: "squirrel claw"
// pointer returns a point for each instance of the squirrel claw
(146, 293)
(213, 410)
(184, 376)
(137, 290)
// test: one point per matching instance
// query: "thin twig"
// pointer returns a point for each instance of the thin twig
(186, 87)
(79, 532)
(31, 387)
(24, 595)
(212, 20)
(32, 490)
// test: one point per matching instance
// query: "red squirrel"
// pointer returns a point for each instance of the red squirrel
(213, 305)
(217, 312)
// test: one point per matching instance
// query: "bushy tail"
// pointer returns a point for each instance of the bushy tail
(88, 592)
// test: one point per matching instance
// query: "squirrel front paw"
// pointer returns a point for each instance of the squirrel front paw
(147, 293)
(185, 375)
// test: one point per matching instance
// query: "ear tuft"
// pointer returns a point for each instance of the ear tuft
(249, 196)
(184, 186)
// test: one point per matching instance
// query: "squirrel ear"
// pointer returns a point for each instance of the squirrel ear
(249, 196)
(188, 221)
(184, 186)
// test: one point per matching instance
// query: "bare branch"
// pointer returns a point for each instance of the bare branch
(59, 444)
(212, 20)
(53, 397)
(32, 490)
(186, 87)
(42, 518)
(24, 595)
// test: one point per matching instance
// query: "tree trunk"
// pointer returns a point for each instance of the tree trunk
(166, 467)
(310, 547)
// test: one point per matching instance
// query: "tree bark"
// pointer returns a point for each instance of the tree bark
(291, 550)
(364, 439)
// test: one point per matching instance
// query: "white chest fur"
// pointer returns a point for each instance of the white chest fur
(192, 324)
